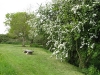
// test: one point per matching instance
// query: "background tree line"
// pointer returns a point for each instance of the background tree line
(68, 28)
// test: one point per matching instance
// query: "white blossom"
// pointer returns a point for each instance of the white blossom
(75, 8)
(66, 54)
(56, 44)
(94, 15)
(92, 46)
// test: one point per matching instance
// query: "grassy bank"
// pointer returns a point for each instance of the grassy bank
(14, 62)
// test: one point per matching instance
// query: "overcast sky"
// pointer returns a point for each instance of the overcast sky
(10, 6)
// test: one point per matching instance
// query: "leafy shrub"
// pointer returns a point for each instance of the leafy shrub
(4, 38)
(92, 70)
(36, 45)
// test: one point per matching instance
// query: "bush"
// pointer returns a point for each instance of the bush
(92, 70)
(36, 45)
(4, 38)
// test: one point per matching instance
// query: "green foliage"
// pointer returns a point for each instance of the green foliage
(4, 38)
(73, 28)
(18, 25)
(17, 22)
(92, 70)
(36, 34)
(86, 29)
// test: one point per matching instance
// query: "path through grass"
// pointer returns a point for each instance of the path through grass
(14, 62)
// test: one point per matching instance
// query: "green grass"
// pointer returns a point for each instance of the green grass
(14, 62)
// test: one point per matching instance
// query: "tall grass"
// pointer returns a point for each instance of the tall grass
(14, 62)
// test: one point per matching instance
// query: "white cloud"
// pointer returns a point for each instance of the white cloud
(10, 6)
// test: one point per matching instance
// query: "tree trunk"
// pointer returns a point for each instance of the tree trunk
(31, 42)
(81, 62)
(23, 42)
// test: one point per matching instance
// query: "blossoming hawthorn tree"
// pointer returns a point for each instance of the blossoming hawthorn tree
(36, 34)
(33, 32)
(52, 26)
(86, 31)
(73, 29)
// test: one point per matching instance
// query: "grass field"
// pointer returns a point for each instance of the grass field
(14, 62)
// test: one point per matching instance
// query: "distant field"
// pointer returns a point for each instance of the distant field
(14, 62)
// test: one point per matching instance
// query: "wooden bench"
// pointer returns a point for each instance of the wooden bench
(28, 52)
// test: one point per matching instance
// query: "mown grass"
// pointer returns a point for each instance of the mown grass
(14, 62)
(5, 68)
